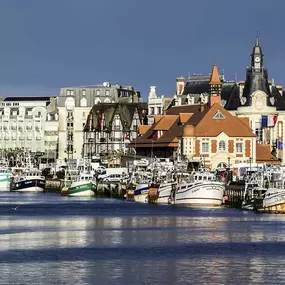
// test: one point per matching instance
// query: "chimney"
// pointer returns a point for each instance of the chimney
(179, 85)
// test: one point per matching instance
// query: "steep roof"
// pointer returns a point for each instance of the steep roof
(232, 126)
(165, 122)
(215, 78)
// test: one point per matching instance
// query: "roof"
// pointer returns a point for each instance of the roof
(143, 129)
(201, 117)
(215, 78)
(29, 98)
(230, 125)
(165, 122)
(263, 154)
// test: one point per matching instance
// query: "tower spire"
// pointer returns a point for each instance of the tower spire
(257, 38)
(215, 78)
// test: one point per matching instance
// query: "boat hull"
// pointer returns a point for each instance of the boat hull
(5, 183)
(200, 194)
(30, 185)
(164, 192)
(141, 193)
(81, 189)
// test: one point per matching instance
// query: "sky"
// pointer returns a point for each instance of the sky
(46, 45)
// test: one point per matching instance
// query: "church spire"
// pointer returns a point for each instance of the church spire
(215, 86)
(215, 78)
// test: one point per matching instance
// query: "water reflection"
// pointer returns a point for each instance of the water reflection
(112, 242)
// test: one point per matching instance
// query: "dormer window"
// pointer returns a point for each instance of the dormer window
(218, 116)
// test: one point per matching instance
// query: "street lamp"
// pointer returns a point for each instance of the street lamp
(250, 159)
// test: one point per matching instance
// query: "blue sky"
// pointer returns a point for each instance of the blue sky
(50, 44)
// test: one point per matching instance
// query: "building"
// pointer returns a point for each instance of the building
(111, 126)
(156, 104)
(205, 134)
(74, 105)
(256, 98)
(262, 102)
(23, 124)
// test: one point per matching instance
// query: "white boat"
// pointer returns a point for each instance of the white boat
(202, 189)
(28, 180)
(5, 178)
(164, 192)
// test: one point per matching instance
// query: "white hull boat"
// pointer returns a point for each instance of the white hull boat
(203, 190)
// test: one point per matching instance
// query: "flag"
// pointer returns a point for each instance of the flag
(268, 121)
(275, 118)
(279, 145)
(126, 141)
(90, 121)
(264, 120)
(101, 122)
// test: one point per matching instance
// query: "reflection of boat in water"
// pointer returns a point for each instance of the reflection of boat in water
(201, 189)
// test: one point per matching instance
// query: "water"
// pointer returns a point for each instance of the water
(51, 239)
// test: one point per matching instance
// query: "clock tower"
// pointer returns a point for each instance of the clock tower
(257, 57)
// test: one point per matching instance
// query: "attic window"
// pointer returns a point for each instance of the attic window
(218, 116)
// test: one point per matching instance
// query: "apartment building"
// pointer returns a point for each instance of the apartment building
(75, 103)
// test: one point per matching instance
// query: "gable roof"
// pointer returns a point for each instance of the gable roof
(232, 126)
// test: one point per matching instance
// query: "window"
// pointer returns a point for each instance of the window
(151, 111)
(218, 116)
(69, 114)
(239, 147)
(98, 92)
(258, 131)
(205, 147)
(69, 92)
(222, 145)
(83, 92)
(158, 110)
(107, 92)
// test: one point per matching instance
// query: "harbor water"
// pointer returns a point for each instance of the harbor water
(50, 239)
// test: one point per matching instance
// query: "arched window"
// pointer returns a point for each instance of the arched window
(222, 145)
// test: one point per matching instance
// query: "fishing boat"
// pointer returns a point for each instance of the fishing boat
(80, 181)
(84, 186)
(254, 191)
(201, 189)
(28, 180)
(141, 192)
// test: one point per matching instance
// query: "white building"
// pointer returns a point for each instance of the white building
(23, 124)
(156, 104)
(74, 105)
